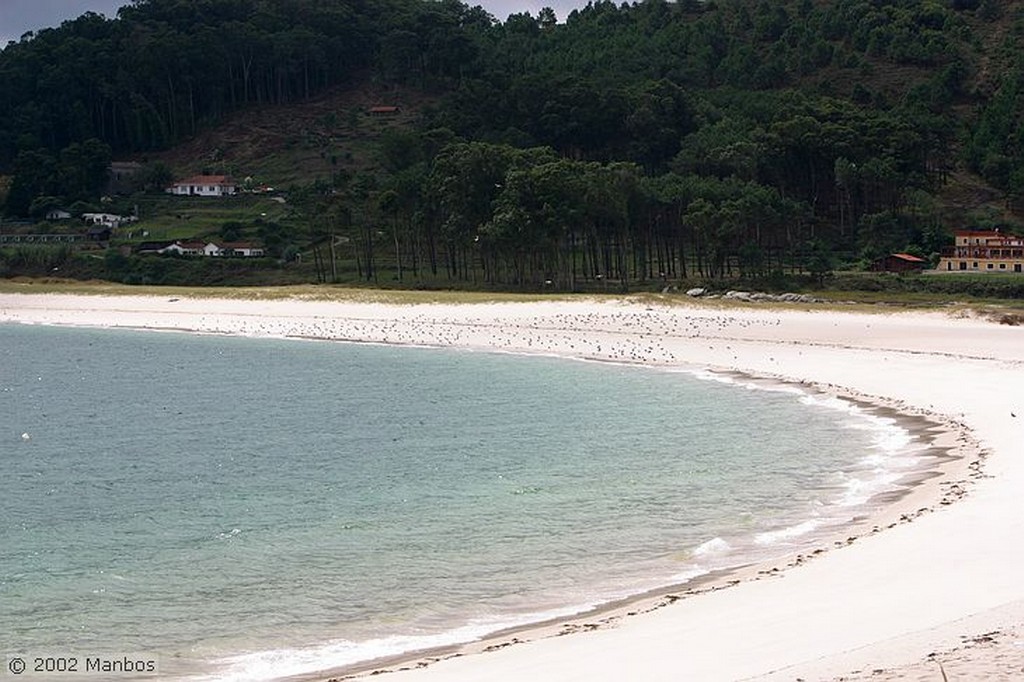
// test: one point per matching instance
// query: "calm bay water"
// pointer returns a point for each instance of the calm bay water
(249, 509)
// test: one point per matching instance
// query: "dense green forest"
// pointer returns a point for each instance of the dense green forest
(644, 142)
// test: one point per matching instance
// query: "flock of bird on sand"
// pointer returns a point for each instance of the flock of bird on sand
(618, 336)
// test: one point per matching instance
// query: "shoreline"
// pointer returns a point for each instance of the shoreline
(564, 329)
(922, 490)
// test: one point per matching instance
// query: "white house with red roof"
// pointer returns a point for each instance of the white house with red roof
(185, 248)
(243, 249)
(209, 249)
(205, 186)
(228, 249)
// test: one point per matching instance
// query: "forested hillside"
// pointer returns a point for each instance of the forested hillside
(645, 142)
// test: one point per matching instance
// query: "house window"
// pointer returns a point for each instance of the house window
(974, 265)
(989, 266)
(963, 265)
(1002, 266)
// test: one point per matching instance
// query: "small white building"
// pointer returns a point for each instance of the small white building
(243, 249)
(110, 220)
(185, 248)
(238, 249)
(57, 214)
(214, 250)
(204, 186)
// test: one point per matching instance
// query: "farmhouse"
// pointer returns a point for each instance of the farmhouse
(111, 220)
(243, 249)
(204, 186)
(205, 249)
(152, 247)
(899, 262)
(983, 251)
(184, 248)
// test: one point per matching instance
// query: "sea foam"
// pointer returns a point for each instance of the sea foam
(713, 547)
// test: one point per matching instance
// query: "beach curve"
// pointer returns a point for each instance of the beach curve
(917, 589)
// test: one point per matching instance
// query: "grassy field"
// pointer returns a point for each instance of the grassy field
(169, 218)
(997, 310)
(302, 291)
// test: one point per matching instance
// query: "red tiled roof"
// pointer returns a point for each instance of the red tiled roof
(206, 180)
(992, 234)
(907, 257)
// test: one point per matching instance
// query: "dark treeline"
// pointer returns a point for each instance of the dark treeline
(632, 142)
(164, 69)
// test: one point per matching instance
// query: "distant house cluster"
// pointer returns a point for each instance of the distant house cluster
(973, 251)
(111, 220)
(204, 249)
(100, 226)
(205, 186)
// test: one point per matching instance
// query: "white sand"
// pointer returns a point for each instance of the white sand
(886, 601)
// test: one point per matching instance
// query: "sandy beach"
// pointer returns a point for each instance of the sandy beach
(930, 587)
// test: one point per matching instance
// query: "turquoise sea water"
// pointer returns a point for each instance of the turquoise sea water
(250, 509)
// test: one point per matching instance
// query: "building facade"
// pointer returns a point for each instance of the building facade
(202, 248)
(983, 251)
(205, 186)
(111, 220)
